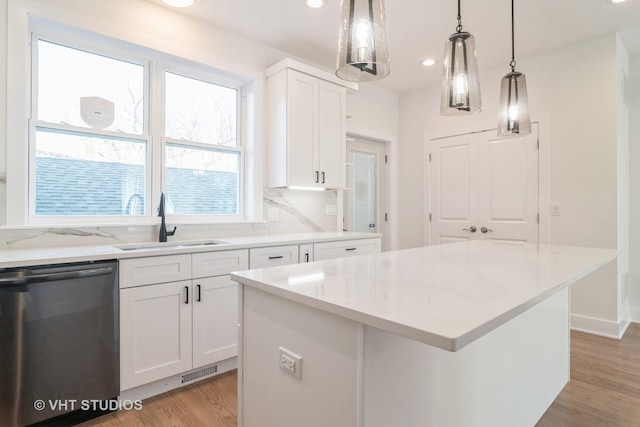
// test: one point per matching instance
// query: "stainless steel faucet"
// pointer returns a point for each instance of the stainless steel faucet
(163, 227)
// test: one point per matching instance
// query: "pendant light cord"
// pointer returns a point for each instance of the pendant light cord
(513, 48)
(459, 27)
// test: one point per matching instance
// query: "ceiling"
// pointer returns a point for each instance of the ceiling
(418, 29)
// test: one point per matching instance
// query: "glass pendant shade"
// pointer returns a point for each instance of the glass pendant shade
(460, 78)
(363, 52)
(513, 116)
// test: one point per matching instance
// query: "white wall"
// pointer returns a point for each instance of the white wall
(576, 89)
(634, 158)
(3, 110)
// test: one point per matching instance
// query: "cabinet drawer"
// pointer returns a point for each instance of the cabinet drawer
(331, 250)
(219, 263)
(275, 255)
(160, 269)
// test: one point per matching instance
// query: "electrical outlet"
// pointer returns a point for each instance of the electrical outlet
(290, 362)
(272, 214)
(331, 209)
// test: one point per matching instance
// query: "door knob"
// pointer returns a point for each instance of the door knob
(485, 229)
(471, 229)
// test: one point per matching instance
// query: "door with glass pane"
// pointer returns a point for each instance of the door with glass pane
(365, 199)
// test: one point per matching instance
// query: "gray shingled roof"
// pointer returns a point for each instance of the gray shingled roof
(77, 187)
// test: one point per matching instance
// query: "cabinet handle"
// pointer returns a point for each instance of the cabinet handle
(186, 299)
(323, 177)
(306, 257)
(276, 257)
(317, 177)
(199, 293)
(350, 249)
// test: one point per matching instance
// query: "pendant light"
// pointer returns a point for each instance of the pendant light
(363, 51)
(460, 79)
(513, 115)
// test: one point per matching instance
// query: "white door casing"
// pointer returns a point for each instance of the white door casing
(483, 182)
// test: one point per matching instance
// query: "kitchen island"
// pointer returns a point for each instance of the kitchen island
(465, 334)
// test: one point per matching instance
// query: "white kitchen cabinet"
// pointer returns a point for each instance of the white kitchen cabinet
(155, 332)
(170, 328)
(272, 256)
(215, 320)
(306, 129)
(215, 305)
(331, 250)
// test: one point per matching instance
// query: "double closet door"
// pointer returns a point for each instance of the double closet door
(484, 187)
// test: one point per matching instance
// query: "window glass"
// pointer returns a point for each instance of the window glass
(200, 111)
(78, 174)
(89, 90)
(201, 181)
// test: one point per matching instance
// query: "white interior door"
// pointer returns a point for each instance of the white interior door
(454, 188)
(365, 200)
(484, 187)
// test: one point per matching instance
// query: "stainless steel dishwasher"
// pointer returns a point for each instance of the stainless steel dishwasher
(59, 341)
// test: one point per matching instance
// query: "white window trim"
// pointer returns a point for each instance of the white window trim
(18, 96)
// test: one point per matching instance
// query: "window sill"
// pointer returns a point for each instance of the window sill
(169, 220)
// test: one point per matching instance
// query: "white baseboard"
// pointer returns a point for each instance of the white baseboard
(605, 328)
(634, 315)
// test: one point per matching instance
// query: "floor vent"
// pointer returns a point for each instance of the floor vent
(195, 375)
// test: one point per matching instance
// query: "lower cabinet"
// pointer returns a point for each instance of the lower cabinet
(215, 320)
(155, 333)
(191, 320)
(170, 328)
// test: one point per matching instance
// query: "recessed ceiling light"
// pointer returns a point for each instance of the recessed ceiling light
(616, 1)
(429, 62)
(180, 3)
(315, 3)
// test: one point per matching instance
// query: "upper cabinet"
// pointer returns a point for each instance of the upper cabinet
(306, 127)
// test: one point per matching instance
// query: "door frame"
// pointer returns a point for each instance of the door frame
(370, 146)
(392, 178)
(544, 229)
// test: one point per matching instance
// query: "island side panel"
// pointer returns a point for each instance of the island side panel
(331, 351)
(507, 378)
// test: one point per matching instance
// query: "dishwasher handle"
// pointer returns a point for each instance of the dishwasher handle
(50, 277)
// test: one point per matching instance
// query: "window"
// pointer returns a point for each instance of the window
(94, 130)
(202, 159)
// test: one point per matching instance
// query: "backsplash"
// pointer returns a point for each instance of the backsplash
(297, 211)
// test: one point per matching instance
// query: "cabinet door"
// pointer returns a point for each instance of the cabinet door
(215, 320)
(302, 123)
(331, 250)
(155, 332)
(332, 134)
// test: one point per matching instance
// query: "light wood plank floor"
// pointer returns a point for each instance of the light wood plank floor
(604, 391)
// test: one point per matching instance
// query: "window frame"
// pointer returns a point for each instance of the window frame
(155, 64)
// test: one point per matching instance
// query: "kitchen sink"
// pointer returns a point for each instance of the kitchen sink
(168, 245)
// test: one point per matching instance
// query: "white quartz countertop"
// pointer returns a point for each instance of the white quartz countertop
(446, 296)
(65, 254)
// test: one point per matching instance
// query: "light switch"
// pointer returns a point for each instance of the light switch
(555, 209)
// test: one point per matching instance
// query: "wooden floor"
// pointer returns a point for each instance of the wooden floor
(604, 391)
